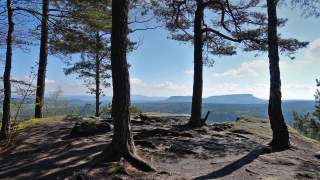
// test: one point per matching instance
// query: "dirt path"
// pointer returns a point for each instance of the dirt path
(221, 151)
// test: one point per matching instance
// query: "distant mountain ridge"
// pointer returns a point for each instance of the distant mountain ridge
(179, 99)
(235, 99)
(223, 99)
(134, 98)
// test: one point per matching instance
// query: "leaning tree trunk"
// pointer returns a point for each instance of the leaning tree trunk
(122, 144)
(280, 139)
(195, 120)
(43, 58)
(97, 59)
(5, 128)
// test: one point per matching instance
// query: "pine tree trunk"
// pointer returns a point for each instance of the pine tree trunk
(279, 128)
(195, 120)
(43, 58)
(122, 138)
(97, 114)
(97, 59)
(122, 144)
(5, 128)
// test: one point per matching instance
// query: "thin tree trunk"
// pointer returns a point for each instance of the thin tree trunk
(43, 58)
(122, 144)
(97, 76)
(5, 128)
(196, 112)
(280, 139)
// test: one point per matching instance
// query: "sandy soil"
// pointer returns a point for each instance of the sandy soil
(234, 150)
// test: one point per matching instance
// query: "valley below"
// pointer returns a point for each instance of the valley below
(228, 112)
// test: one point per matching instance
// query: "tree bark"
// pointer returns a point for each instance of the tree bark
(196, 109)
(279, 128)
(5, 128)
(43, 58)
(97, 58)
(122, 144)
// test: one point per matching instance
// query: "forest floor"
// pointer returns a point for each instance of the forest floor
(233, 150)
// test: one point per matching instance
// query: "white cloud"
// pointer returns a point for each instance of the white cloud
(313, 50)
(165, 88)
(246, 69)
(300, 91)
(136, 81)
(67, 87)
(189, 72)
(298, 76)
(49, 81)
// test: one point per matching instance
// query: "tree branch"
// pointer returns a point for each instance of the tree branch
(143, 29)
(205, 30)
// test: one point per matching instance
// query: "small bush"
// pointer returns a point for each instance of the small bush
(135, 109)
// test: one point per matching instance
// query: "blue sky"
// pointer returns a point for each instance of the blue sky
(163, 67)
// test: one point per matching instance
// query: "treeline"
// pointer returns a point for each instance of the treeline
(98, 30)
(309, 123)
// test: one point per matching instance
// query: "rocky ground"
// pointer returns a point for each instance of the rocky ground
(234, 150)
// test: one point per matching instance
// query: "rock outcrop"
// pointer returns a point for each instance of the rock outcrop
(90, 128)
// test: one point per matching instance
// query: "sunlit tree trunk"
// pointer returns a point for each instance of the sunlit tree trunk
(196, 109)
(122, 144)
(43, 58)
(280, 131)
(5, 128)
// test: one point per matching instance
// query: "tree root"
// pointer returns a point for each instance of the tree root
(110, 155)
(138, 163)
(107, 156)
(278, 145)
(198, 123)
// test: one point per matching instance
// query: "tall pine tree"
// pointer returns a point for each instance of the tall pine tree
(6, 116)
(43, 58)
(280, 134)
(85, 29)
(122, 145)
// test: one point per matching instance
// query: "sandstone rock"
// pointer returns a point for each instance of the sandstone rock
(89, 128)
(180, 149)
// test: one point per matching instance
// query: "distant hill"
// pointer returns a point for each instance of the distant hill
(179, 99)
(234, 99)
(224, 99)
(139, 98)
(134, 98)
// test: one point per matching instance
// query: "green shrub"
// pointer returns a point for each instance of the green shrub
(309, 124)
(135, 109)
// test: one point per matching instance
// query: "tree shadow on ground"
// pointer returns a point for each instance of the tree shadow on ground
(235, 165)
(60, 166)
(44, 154)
